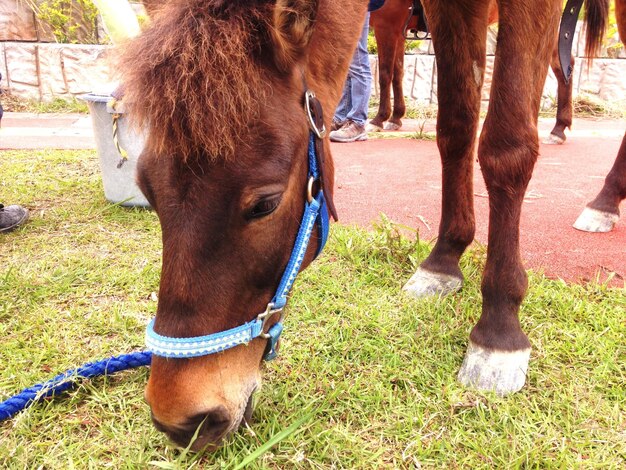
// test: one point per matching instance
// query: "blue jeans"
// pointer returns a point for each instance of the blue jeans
(355, 98)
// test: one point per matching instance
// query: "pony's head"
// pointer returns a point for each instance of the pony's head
(220, 88)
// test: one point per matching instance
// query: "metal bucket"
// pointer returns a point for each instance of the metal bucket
(118, 149)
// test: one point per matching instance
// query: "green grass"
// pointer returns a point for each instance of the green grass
(365, 378)
(56, 105)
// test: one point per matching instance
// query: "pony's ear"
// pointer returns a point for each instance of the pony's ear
(292, 29)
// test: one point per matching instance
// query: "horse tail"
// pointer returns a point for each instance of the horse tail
(596, 20)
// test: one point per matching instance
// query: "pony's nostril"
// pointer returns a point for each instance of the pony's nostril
(215, 422)
(208, 428)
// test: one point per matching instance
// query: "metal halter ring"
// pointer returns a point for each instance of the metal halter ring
(270, 311)
(321, 133)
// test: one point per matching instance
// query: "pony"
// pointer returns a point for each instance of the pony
(237, 166)
(219, 87)
(391, 25)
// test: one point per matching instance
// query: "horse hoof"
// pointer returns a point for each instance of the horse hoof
(592, 220)
(553, 139)
(426, 283)
(373, 128)
(392, 126)
(502, 372)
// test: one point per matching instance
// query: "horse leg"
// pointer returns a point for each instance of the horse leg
(386, 41)
(399, 108)
(499, 351)
(602, 213)
(460, 52)
(564, 110)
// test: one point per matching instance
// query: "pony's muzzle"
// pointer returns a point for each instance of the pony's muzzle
(205, 431)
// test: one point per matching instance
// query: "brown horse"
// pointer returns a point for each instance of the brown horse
(389, 23)
(220, 86)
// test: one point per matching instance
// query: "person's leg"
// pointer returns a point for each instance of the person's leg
(361, 79)
(345, 103)
(12, 217)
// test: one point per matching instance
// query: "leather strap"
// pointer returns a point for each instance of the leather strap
(318, 119)
(566, 36)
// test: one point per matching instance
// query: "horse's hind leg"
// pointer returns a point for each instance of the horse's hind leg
(387, 43)
(399, 107)
(460, 53)
(602, 213)
(564, 101)
(499, 351)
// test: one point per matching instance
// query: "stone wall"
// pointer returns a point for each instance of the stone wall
(44, 71)
(603, 79)
(34, 66)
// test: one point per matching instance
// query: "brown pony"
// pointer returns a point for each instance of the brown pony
(219, 85)
(389, 23)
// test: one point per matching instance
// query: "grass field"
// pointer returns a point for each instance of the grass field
(366, 376)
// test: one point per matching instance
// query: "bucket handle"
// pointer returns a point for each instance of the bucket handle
(116, 115)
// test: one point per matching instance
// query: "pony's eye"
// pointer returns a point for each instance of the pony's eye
(264, 207)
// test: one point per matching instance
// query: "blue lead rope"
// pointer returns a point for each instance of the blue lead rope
(67, 380)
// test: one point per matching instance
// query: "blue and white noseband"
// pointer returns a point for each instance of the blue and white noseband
(315, 213)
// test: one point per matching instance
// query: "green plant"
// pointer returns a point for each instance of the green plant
(372, 46)
(70, 21)
(16, 104)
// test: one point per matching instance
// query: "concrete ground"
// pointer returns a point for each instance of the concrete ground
(401, 178)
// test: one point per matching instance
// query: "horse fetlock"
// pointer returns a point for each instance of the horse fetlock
(502, 372)
(426, 283)
(593, 220)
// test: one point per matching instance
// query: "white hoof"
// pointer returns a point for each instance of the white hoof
(553, 140)
(391, 126)
(426, 283)
(373, 128)
(503, 372)
(592, 220)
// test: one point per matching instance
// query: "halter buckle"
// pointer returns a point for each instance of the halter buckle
(270, 311)
(308, 96)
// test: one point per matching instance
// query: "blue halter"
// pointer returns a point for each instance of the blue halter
(315, 212)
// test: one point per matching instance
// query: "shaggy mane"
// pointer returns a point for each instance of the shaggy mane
(194, 80)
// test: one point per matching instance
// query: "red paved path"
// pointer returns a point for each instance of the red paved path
(402, 178)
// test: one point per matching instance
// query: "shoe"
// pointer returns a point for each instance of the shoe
(12, 217)
(350, 132)
(336, 125)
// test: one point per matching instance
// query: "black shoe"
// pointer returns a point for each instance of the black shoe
(12, 217)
